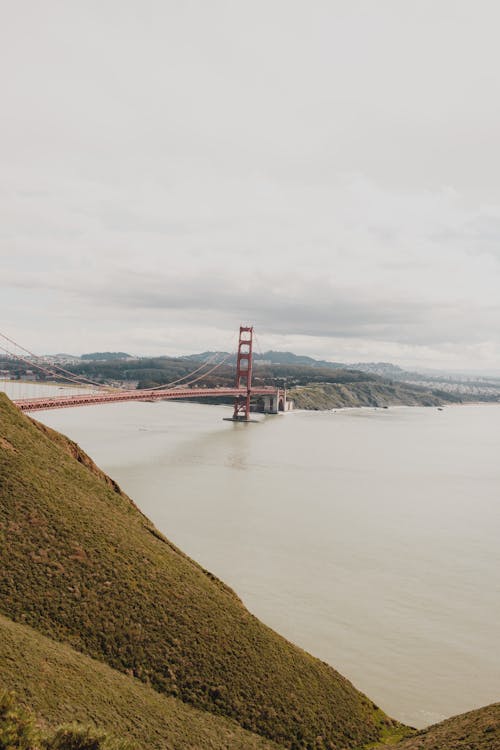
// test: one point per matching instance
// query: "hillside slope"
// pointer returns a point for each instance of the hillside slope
(374, 393)
(61, 686)
(475, 730)
(82, 565)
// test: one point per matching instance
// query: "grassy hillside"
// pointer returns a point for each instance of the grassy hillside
(63, 686)
(82, 565)
(475, 730)
(20, 729)
(339, 395)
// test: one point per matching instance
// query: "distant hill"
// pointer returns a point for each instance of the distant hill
(377, 393)
(106, 356)
(384, 369)
(300, 370)
(209, 356)
(289, 358)
(269, 357)
(64, 355)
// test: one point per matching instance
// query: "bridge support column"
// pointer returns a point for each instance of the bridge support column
(271, 404)
(244, 374)
(282, 402)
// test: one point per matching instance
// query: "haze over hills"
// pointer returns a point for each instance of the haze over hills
(288, 358)
(384, 369)
(107, 356)
(482, 386)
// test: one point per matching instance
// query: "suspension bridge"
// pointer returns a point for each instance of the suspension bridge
(247, 396)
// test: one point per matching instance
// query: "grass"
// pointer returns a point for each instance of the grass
(83, 566)
(62, 686)
(475, 730)
(19, 731)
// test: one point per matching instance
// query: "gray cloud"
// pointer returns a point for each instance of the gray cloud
(169, 169)
(315, 309)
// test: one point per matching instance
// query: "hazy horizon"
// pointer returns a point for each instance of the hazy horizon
(492, 373)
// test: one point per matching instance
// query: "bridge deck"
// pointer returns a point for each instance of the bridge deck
(88, 399)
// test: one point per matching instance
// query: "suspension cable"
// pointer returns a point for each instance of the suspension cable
(36, 365)
(79, 378)
(231, 354)
(82, 380)
(273, 379)
(189, 374)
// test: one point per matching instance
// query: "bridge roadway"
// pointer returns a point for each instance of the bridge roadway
(88, 399)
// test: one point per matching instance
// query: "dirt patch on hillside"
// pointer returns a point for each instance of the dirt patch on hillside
(4, 443)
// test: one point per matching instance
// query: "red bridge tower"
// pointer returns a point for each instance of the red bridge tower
(244, 373)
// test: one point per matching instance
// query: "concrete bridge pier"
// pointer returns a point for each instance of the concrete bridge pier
(274, 403)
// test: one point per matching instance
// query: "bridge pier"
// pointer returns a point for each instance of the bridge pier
(271, 404)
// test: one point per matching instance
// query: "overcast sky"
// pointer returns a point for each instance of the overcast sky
(328, 170)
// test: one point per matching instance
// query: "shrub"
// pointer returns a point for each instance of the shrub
(17, 728)
(74, 737)
(77, 737)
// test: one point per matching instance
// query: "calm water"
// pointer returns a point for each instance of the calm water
(369, 537)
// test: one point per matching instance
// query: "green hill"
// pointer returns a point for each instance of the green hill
(375, 392)
(62, 686)
(83, 566)
(475, 730)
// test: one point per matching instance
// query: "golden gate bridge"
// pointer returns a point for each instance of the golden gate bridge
(247, 396)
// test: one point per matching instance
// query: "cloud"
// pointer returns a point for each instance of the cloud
(315, 174)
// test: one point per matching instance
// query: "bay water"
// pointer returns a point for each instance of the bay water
(369, 537)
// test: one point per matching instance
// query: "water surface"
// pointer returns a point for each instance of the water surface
(368, 537)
